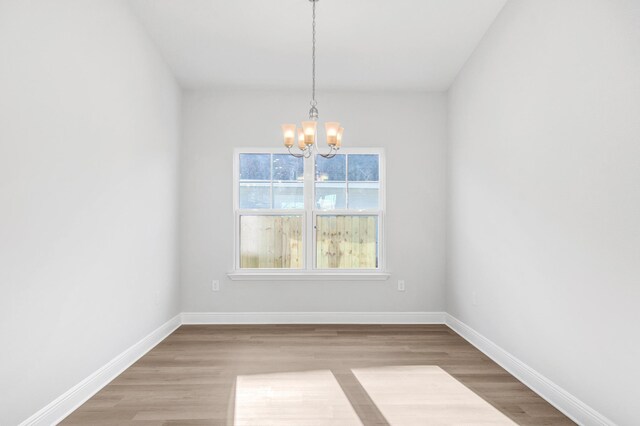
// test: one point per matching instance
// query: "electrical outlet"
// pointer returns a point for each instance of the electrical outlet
(215, 285)
(400, 285)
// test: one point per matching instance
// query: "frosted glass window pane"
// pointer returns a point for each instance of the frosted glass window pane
(330, 195)
(288, 196)
(331, 169)
(363, 195)
(271, 242)
(346, 242)
(288, 168)
(364, 167)
(255, 166)
(255, 195)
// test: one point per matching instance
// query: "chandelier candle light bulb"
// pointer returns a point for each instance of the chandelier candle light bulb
(332, 129)
(339, 137)
(309, 128)
(309, 132)
(289, 131)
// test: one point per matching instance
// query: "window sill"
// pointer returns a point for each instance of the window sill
(309, 276)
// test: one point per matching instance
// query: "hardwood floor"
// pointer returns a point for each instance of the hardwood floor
(191, 377)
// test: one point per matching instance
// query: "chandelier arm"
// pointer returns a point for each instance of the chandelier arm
(328, 156)
(296, 155)
(332, 153)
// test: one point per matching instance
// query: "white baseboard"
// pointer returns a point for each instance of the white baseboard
(313, 317)
(66, 403)
(568, 404)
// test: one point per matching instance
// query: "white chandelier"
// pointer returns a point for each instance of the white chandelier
(308, 134)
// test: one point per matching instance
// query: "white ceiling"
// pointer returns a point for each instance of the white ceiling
(361, 44)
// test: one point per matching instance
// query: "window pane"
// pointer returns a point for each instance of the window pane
(286, 167)
(255, 166)
(363, 195)
(330, 195)
(331, 169)
(364, 167)
(271, 242)
(255, 195)
(346, 242)
(288, 196)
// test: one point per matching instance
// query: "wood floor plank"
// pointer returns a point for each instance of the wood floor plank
(190, 377)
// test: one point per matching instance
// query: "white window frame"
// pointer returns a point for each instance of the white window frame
(309, 216)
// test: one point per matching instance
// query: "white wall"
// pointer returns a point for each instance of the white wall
(88, 170)
(412, 129)
(545, 195)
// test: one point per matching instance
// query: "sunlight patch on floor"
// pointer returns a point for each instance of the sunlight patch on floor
(424, 394)
(307, 398)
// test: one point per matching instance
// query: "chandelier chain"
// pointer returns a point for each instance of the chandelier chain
(313, 56)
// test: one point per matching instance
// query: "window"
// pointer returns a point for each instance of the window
(304, 216)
